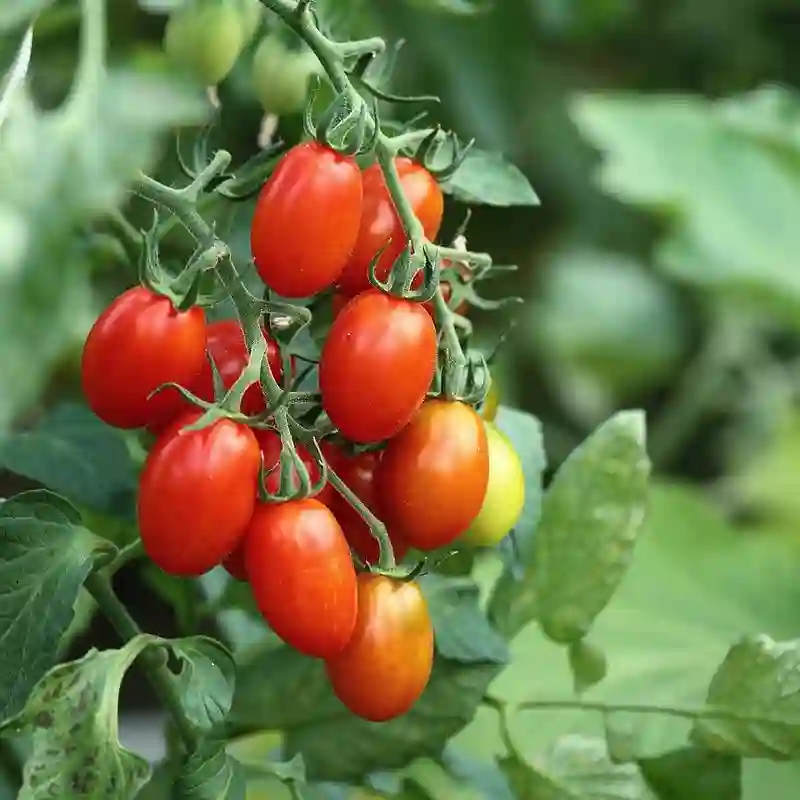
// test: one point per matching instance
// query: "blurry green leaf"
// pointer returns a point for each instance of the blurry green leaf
(588, 664)
(691, 773)
(73, 452)
(461, 7)
(759, 679)
(488, 179)
(462, 631)
(45, 556)
(72, 714)
(211, 774)
(15, 56)
(485, 777)
(14, 13)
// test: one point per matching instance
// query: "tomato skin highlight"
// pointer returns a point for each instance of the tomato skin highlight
(380, 222)
(434, 474)
(303, 580)
(387, 664)
(197, 493)
(306, 220)
(377, 365)
(137, 344)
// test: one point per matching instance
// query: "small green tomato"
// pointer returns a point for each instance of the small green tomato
(281, 76)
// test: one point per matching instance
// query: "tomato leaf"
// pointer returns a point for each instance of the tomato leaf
(464, 8)
(488, 179)
(45, 556)
(211, 774)
(483, 776)
(575, 768)
(72, 716)
(691, 772)
(73, 452)
(462, 631)
(758, 686)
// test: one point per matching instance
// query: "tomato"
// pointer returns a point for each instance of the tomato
(137, 344)
(251, 12)
(387, 664)
(270, 444)
(281, 76)
(491, 403)
(433, 475)
(302, 577)
(377, 365)
(235, 565)
(358, 472)
(380, 222)
(505, 494)
(204, 38)
(306, 220)
(197, 492)
(340, 300)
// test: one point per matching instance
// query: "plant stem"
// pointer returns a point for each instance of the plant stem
(157, 672)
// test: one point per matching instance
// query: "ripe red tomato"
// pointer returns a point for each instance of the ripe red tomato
(306, 220)
(340, 300)
(376, 366)
(137, 344)
(302, 577)
(380, 222)
(433, 475)
(387, 663)
(197, 492)
(358, 472)
(235, 565)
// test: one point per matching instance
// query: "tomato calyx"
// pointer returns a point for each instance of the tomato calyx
(430, 149)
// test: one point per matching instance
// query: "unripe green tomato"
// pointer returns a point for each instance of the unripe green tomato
(250, 15)
(505, 494)
(205, 38)
(281, 76)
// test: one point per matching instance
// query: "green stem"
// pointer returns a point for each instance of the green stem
(156, 670)
(128, 553)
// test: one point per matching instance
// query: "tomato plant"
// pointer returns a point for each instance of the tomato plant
(433, 475)
(376, 365)
(299, 567)
(137, 344)
(385, 667)
(306, 220)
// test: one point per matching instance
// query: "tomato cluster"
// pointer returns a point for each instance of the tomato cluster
(434, 471)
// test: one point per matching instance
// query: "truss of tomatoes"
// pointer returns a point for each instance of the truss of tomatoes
(198, 503)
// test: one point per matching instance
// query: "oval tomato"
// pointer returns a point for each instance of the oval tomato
(505, 494)
(380, 222)
(358, 473)
(137, 344)
(303, 580)
(306, 220)
(281, 76)
(234, 563)
(340, 300)
(433, 475)
(387, 663)
(197, 492)
(377, 365)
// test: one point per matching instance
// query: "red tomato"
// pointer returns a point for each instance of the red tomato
(302, 577)
(380, 222)
(197, 493)
(270, 444)
(376, 366)
(358, 472)
(137, 344)
(306, 220)
(340, 300)
(433, 475)
(235, 565)
(387, 663)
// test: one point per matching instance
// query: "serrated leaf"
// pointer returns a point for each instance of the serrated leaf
(72, 716)
(73, 452)
(692, 773)
(45, 556)
(757, 689)
(211, 774)
(206, 679)
(462, 631)
(575, 768)
(488, 179)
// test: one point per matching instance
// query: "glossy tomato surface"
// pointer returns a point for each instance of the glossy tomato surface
(387, 664)
(381, 226)
(306, 220)
(197, 492)
(377, 365)
(433, 475)
(303, 580)
(358, 472)
(137, 344)
(505, 494)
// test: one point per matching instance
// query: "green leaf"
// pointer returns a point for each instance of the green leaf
(691, 773)
(45, 556)
(73, 452)
(758, 689)
(14, 13)
(464, 8)
(205, 679)
(211, 774)
(72, 715)
(488, 179)
(575, 768)
(462, 631)
(588, 664)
